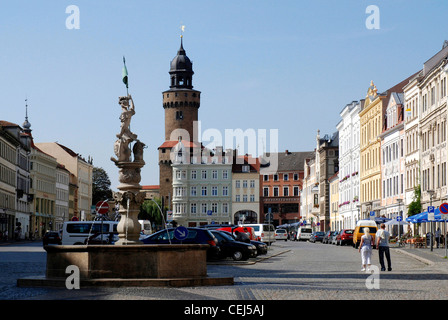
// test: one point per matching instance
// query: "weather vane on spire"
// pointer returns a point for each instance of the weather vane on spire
(182, 30)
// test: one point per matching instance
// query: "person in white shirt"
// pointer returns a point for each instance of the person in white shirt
(382, 245)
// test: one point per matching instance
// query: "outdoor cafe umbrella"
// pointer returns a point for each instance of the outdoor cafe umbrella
(423, 217)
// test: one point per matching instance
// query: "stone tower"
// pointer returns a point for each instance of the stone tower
(181, 103)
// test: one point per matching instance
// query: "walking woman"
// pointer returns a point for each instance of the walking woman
(365, 247)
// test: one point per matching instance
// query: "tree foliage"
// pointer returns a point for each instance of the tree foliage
(150, 211)
(415, 206)
(100, 185)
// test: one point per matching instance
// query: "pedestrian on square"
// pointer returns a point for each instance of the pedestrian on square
(365, 248)
(438, 234)
(382, 245)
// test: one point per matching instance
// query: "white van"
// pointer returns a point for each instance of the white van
(304, 233)
(264, 232)
(76, 232)
(146, 226)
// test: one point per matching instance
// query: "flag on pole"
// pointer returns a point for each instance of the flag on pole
(125, 73)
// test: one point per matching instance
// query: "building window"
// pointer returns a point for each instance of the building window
(204, 208)
(275, 191)
(296, 191)
(204, 174)
(252, 183)
(285, 191)
(193, 208)
(193, 191)
(285, 177)
(275, 177)
(214, 191)
(225, 174)
(225, 207)
(215, 174)
(265, 177)
(225, 191)
(204, 191)
(214, 207)
(245, 198)
(244, 183)
(296, 176)
(179, 115)
(193, 174)
(237, 183)
(252, 198)
(266, 192)
(237, 198)
(246, 168)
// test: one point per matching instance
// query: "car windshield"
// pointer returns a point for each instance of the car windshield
(281, 231)
(320, 233)
(222, 236)
(349, 231)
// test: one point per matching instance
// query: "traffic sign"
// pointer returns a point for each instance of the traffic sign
(169, 216)
(102, 207)
(399, 218)
(430, 209)
(209, 212)
(444, 208)
(181, 233)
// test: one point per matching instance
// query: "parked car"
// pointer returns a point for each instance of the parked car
(51, 237)
(247, 230)
(263, 232)
(344, 237)
(327, 237)
(235, 249)
(304, 233)
(262, 248)
(281, 234)
(333, 237)
(195, 236)
(317, 236)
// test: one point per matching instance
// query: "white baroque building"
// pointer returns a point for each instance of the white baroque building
(349, 164)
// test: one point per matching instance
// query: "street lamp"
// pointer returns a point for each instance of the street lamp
(359, 213)
(400, 201)
(431, 194)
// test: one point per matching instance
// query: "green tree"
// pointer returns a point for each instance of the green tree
(415, 206)
(100, 185)
(150, 211)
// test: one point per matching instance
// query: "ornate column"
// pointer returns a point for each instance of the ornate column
(129, 196)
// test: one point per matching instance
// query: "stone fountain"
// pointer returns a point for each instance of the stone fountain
(128, 262)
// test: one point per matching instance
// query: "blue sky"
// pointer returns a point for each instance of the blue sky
(290, 65)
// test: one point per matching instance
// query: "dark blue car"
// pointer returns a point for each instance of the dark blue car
(195, 236)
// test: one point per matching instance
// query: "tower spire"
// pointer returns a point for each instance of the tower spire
(26, 125)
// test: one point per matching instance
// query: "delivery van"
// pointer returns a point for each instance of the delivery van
(359, 231)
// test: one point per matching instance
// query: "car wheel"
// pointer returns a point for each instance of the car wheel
(237, 256)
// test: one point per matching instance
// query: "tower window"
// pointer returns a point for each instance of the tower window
(179, 115)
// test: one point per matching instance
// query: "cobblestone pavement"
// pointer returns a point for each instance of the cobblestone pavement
(291, 271)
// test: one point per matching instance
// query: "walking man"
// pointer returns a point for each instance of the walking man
(382, 244)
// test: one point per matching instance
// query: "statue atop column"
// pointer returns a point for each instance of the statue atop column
(126, 137)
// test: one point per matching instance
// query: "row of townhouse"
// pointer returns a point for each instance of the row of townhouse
(390, 144)
(41, 184)
(225, 188)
